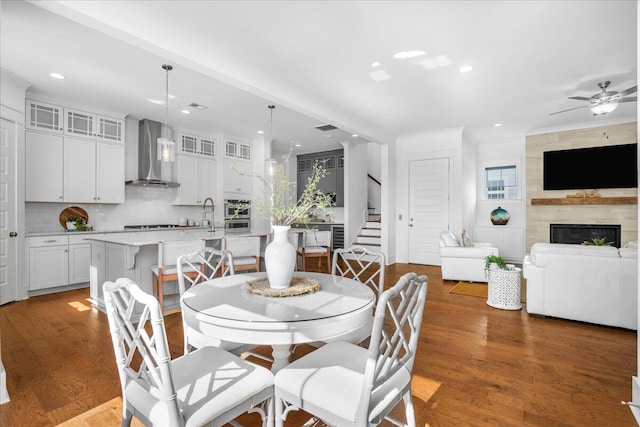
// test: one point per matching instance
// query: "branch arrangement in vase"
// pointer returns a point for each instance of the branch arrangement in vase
(283, 208)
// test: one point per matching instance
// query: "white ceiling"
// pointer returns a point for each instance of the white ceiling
(313, 60)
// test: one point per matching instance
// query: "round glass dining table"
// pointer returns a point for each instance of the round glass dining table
(224, 308)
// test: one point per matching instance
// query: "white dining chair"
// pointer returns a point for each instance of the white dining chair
(365, 266)
(214, 264)
(209, 385)
(245, 250)
(344, 384)
(166, 269)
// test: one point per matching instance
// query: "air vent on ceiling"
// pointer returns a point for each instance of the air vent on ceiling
(325, 128)
(198, 106)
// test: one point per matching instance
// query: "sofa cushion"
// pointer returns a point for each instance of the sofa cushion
(542, 252)
(628, 252)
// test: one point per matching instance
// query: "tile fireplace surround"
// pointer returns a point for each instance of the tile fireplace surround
(541, 215)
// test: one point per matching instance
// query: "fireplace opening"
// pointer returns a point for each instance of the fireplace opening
(579, 233)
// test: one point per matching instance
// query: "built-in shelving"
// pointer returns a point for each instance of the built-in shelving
(631, 200)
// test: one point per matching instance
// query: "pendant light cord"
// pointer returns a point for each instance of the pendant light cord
(167, 68)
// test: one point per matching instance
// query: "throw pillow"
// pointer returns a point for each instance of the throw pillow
(465, 239)
(449, 239)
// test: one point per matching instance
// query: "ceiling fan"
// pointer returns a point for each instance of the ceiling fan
(604, 102)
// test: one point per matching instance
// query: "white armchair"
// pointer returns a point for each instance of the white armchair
(460, 262)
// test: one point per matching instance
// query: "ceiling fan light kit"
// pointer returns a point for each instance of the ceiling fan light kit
(605, 101)
(603, 108)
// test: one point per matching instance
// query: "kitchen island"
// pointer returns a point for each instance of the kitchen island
(131, 255)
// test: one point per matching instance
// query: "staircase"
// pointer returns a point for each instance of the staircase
(369, 236)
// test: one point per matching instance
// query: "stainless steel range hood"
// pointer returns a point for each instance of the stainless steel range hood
(148, 164)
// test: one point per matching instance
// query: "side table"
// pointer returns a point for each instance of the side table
(504, 289)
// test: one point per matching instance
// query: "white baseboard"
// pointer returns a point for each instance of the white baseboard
(4, 396)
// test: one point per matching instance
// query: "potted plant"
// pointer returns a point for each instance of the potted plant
(76, 223)
(494, 262)
(284, 209)
(597, 241)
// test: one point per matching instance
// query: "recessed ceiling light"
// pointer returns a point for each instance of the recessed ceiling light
(497, 125)
(465, 68)
(329, 136)
(185, 112)
(56, 76)
(375, 64)
(260, 132)
(379, 75)
(354, 135)
(407, 54)
(298, 145)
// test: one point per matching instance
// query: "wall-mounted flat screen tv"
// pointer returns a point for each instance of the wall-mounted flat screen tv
(613, 166)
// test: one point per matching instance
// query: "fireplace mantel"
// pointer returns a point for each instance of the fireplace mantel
(631, 200)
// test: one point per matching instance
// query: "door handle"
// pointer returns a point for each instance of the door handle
(13, 234)
(410, 225)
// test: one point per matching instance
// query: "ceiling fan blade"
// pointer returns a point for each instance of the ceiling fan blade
(629, 99)
(580, 98)
(575, 108)
(631, 90)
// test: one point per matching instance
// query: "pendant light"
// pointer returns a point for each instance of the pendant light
(271, 164)
(166, 146)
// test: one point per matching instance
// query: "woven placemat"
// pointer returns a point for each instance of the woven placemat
(298, 286)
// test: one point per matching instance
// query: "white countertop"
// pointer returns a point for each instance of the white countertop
(142, 238)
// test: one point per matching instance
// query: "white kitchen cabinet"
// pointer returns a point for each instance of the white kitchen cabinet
(58, 260)
(193, 144)
(93, 171)
(197, 177)
(48, 262)
(79, 123)
(79, 170)
(237, 183)
(237, 150)
(43, 116)
(110, 173)
(110, 129)
(44, 155)
(79, 260)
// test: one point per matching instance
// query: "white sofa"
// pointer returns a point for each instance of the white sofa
(460, 262)
(595, 284)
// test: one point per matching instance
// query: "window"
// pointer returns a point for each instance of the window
(501, 183)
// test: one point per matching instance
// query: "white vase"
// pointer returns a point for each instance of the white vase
(280, 258)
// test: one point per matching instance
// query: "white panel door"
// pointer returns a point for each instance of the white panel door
(428, 208)
(8, 225)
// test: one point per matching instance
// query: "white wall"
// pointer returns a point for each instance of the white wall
(443, 143)
(501, 154)
(355, 188)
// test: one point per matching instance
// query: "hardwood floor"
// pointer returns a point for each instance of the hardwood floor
(476, 365)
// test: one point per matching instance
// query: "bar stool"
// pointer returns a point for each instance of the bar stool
(166, 269)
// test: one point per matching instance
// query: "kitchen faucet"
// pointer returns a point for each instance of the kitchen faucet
(205, 212)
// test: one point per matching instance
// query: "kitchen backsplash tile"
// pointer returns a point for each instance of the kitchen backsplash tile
(143, 206)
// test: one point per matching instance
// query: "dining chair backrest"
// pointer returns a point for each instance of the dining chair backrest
(213, 261)
(394, 337)
(361, 264)
(140, 347)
